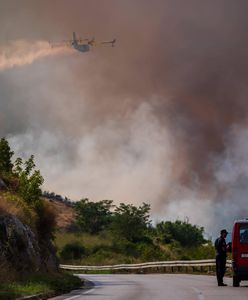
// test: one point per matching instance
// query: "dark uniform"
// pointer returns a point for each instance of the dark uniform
(221, 253)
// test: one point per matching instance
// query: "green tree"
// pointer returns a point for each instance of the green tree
(30, 180)
(183, 232)
(131, 222)
(93, 217)
(5, 157)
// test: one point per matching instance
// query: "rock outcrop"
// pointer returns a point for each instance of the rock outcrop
(21, 249)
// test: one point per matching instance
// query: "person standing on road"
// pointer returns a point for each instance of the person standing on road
(221, 254)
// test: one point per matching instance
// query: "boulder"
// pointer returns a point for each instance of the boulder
(18, 244)
(20, 247)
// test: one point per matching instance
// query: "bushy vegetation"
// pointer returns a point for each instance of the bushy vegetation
(21, 176)
(126, 221)
(30, 180)
(183, 232)
(23, 197)
(93, 217)
(72, 251)
(124, 234)
(45, 220)
(131, 222)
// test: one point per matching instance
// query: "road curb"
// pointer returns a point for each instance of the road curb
(38, 296)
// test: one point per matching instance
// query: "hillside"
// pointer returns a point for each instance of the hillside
(65, 213)
(28, 262)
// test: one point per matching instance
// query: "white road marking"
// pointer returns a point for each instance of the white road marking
(87, 292)
(199, 294)
(72, 297)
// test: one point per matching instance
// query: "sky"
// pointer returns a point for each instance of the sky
(161, 118)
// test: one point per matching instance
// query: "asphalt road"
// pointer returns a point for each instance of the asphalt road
(157, 287)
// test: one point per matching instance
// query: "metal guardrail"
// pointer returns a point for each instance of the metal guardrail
(158, 264)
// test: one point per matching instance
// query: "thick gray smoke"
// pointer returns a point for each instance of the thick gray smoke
(160, 118)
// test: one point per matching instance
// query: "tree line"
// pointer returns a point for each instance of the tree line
(133, 223)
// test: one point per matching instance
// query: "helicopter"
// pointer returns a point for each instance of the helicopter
(83, 45)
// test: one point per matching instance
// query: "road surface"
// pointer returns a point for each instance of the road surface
(157, 287)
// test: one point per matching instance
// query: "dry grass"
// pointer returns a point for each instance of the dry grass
(65, 214)
(8, 207)
(63, 238)
(13, 205)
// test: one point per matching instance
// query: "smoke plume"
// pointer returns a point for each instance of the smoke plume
(160, 118)
(22, 52)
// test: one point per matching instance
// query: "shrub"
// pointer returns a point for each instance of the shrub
(46, 220)
(125, 247)
(72, 251)
(185, 233)
(149, 252)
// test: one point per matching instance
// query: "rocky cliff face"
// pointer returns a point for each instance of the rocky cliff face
(20, 249)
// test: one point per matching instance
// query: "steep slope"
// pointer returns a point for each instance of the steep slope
(64, 213)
